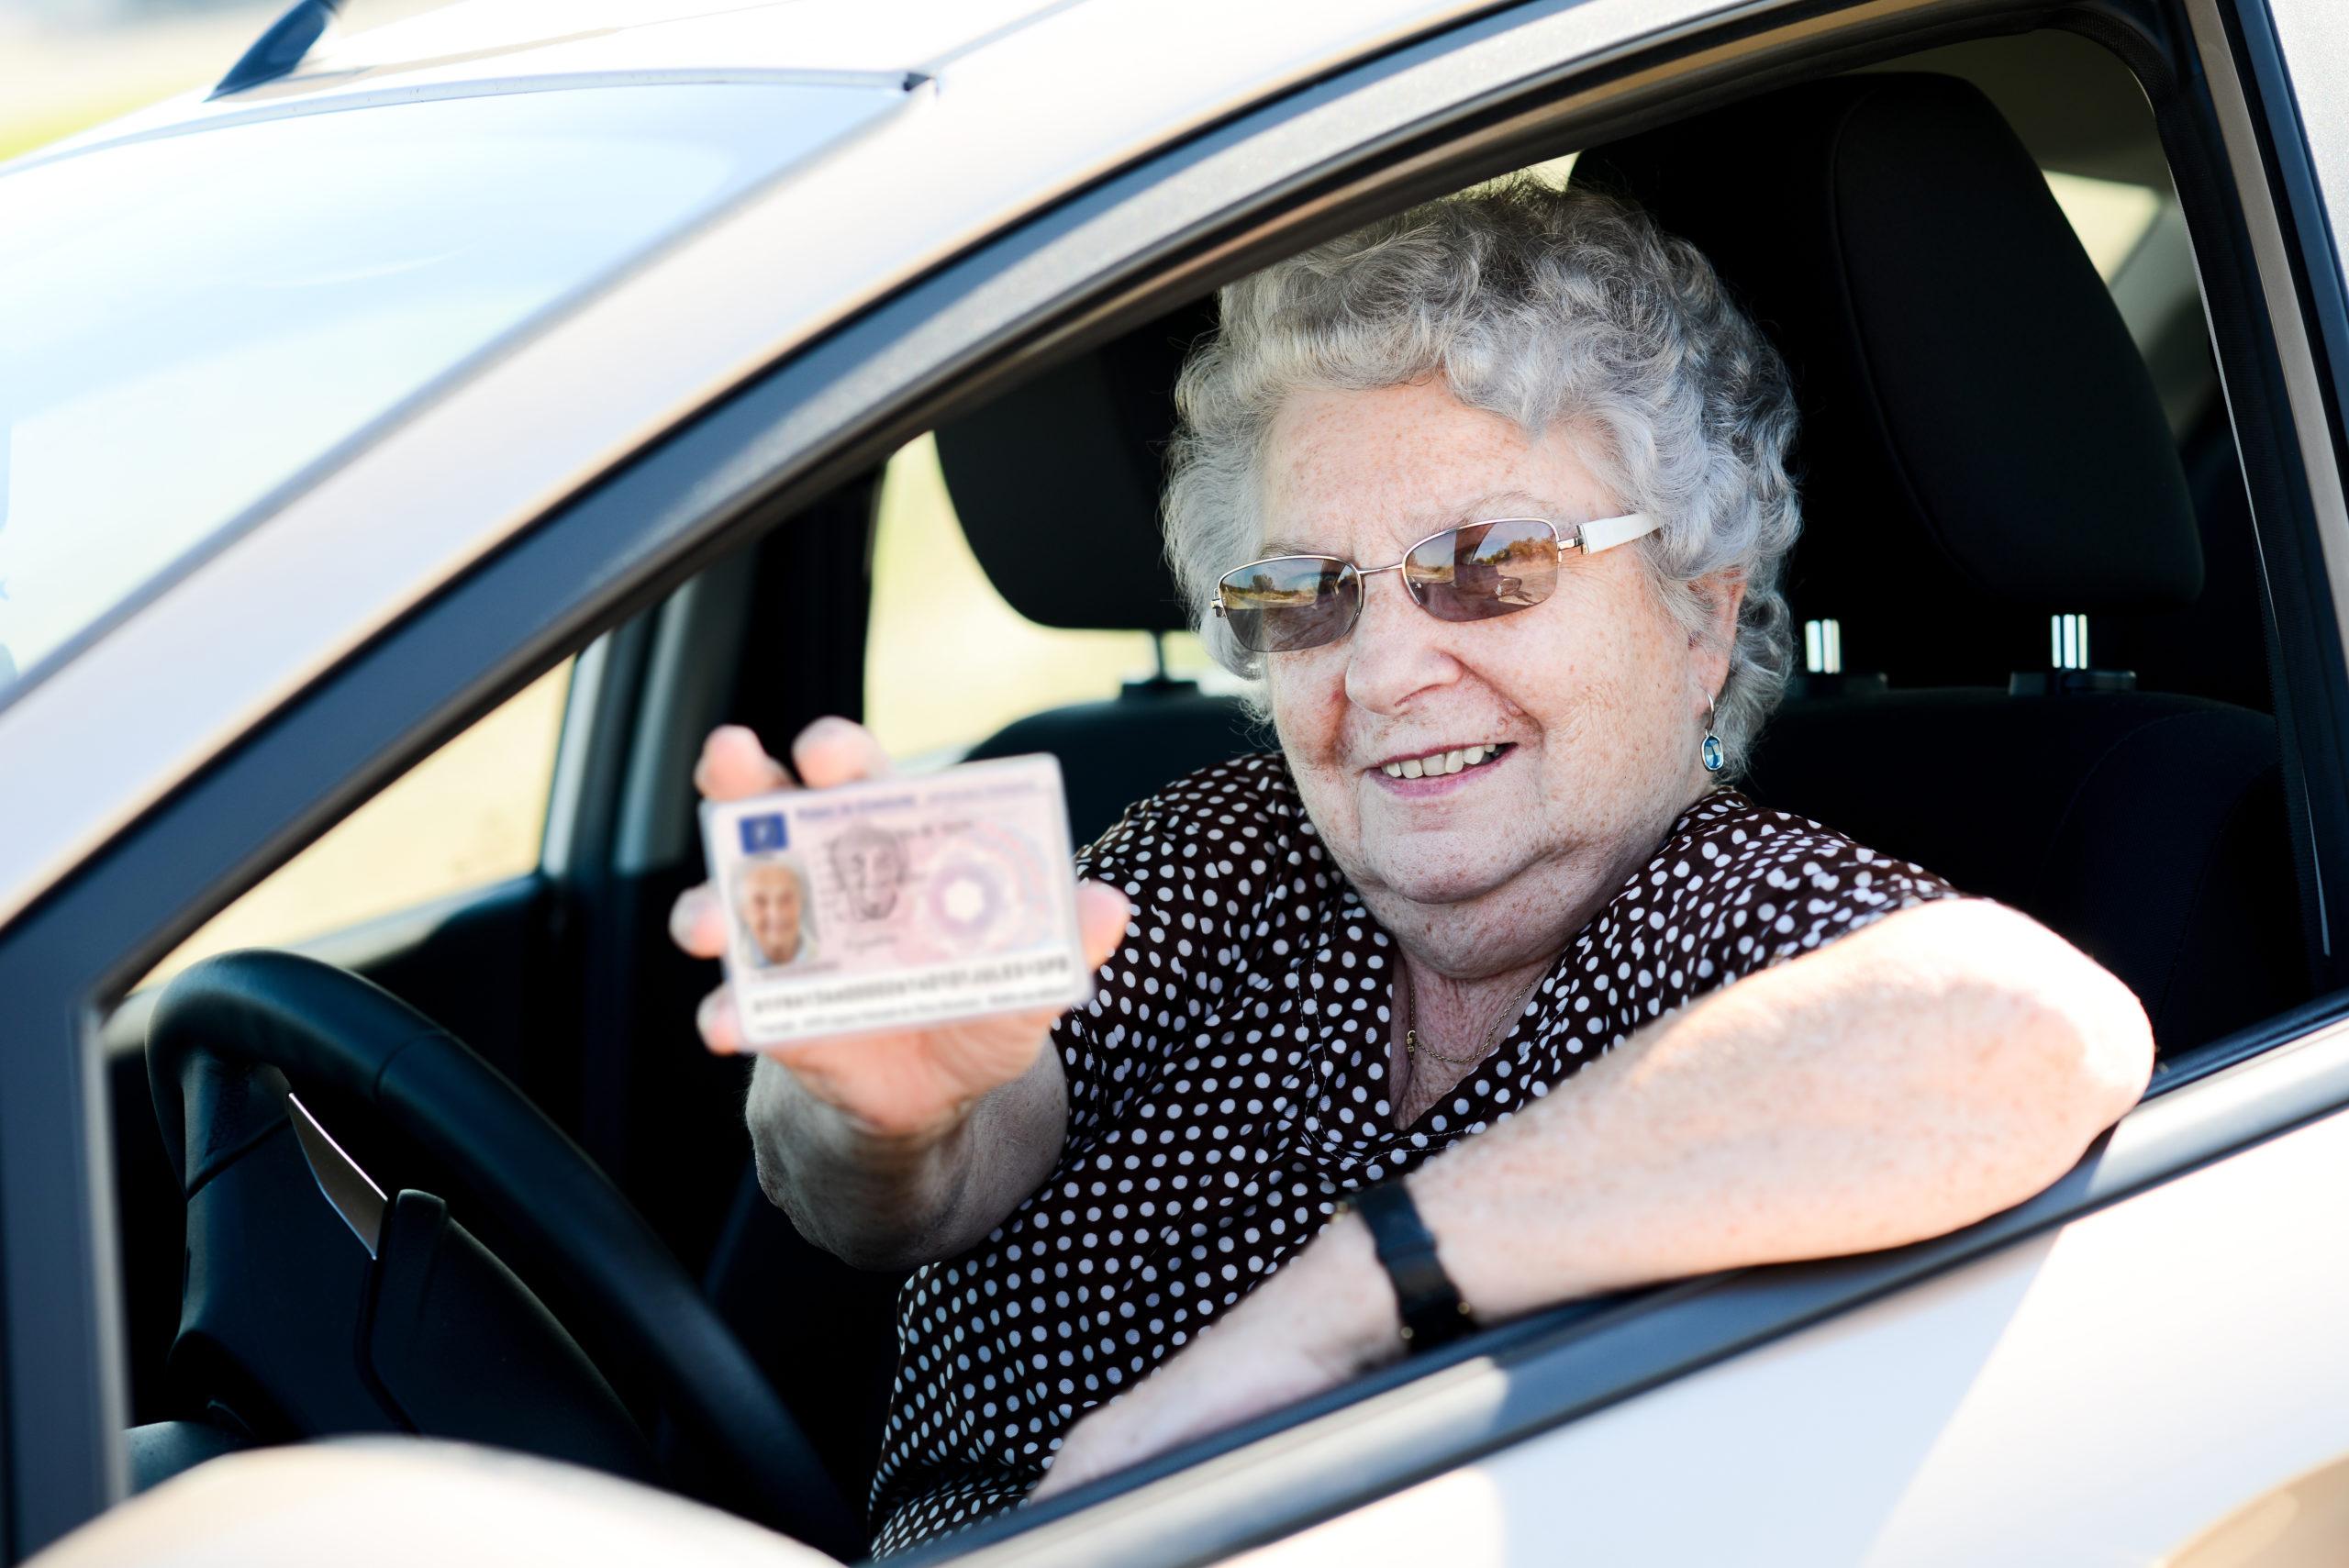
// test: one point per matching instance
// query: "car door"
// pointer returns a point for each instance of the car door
(1318, 130)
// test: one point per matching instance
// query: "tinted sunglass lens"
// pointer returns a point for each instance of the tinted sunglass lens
(1484, 570)
(1290, 603)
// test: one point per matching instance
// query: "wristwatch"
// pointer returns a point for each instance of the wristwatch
(1430, 1303)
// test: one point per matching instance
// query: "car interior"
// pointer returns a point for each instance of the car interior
(2037, 638)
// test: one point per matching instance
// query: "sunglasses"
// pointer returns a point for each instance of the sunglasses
(1284, 604)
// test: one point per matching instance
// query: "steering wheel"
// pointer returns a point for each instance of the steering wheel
(223, 1023)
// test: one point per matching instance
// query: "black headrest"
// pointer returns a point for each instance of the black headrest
(1056, 482)
(1981, 443)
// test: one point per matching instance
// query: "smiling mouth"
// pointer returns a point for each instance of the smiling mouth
(1435, 764)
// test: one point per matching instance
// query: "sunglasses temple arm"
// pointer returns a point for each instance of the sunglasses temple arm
(1608, 532)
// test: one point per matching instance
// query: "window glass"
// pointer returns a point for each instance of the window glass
(190, 321)
(2110, 216)
(468, 815)
(950, 663)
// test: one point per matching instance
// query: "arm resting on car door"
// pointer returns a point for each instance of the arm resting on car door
(1921, 1073)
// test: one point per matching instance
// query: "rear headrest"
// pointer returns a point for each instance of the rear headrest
(1056, 482)
(1981, 444)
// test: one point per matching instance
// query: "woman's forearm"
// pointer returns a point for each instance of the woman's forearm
(1919, 1074)
(1924, 1073)
(884, 1201)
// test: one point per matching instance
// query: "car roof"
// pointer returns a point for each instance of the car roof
(480, 47)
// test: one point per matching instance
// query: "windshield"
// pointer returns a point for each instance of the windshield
(188, 323)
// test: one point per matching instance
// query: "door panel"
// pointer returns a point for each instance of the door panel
(2097, 1396)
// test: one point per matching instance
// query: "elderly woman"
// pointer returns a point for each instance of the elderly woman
(1492, 496)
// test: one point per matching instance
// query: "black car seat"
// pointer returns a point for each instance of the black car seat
(1981, 449)
(1056, 485)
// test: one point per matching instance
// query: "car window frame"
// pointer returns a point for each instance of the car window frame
(622, 807)
(1106, 259)
(2286, 420)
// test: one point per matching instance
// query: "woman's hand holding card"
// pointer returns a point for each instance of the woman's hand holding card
(881, 944)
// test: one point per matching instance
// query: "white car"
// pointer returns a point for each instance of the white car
(349, 400)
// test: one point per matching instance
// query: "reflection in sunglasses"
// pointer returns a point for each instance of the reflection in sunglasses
(1287, 604)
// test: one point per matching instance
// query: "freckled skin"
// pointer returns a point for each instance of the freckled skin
(1485, 876)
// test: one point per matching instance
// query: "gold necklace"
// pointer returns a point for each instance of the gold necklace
(1414, 1050)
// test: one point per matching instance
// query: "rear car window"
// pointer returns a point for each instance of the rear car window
(949, 662)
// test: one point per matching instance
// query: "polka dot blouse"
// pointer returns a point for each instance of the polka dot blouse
(1227, 1086)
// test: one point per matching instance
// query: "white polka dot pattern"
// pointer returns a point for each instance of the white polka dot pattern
(1227, 1086)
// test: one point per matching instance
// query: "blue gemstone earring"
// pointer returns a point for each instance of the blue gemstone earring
(1711, 749)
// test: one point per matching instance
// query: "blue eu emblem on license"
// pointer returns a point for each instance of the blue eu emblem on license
(760, 834)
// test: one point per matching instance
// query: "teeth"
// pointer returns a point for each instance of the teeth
(1437, 764)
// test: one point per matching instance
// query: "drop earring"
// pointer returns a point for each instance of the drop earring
(1711, 749)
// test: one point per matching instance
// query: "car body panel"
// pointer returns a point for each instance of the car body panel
(504, 46)
(398, 1502)
(1011, 125)
(2314, 36)
(2115, 1386)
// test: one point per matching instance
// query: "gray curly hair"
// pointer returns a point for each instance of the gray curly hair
(1548, 307)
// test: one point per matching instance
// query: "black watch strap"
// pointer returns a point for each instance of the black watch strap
(1431, 1309)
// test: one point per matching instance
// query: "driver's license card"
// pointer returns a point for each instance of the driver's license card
(899, 903)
